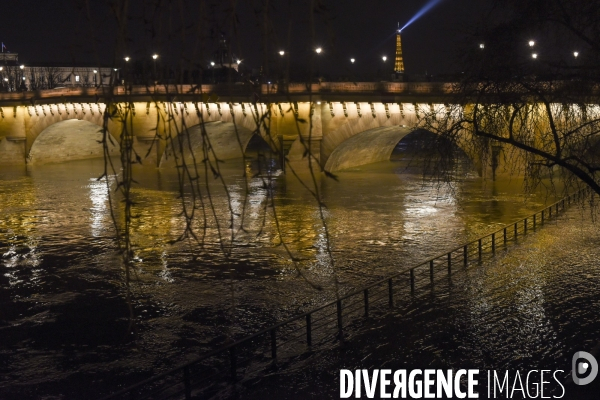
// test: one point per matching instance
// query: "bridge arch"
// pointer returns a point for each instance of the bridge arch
(67, 140)
(225, 139)
(378, 144)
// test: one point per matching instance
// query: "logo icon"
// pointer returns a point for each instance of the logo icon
(584, 368)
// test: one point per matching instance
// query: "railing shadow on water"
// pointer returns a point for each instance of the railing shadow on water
(212, 373)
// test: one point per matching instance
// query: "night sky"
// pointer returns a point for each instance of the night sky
(62, 32)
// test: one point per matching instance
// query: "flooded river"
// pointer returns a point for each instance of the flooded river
(65, 324)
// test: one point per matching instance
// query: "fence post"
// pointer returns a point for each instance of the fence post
(431, 271)
(366, 292)
(309, 329)
(480, 249)
(186, 382)
(493, 242)
(273, 343)
(465, 255)
(391, 292)
(233, 363)
(449, 263)
(412, 280)
(339, 318)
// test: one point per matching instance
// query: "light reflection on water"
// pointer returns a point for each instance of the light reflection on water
(64, 287)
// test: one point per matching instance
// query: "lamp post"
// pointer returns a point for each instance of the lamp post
(318, 50)
(154, 57)
(212, 64)
(21, 82)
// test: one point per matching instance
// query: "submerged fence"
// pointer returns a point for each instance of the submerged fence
(256, 353)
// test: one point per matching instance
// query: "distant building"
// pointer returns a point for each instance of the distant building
(15, 76)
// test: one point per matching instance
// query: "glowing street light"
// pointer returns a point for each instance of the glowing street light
(21, 66)
(531, 43)
(1, 68)
(575, 54)
(127, 59)
(534, 55)
(154, 56)
(318, 50)
(239, 62)
(352, 60)
(482, 46)
(212, 63)
(281, 52)
(384, 58)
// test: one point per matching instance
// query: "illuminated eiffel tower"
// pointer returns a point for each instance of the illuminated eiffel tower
(399, 63)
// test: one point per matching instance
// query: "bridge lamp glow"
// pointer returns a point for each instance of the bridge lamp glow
(21, 66)
(154, 56)
(127, 59)
(24, 78)
(95, 71)
(318, 50)
(6, 79)
(531, 43)
(534, 55)
(239, 62)
(281, 52)
(482, 46)
(212, 63)
(352, 60)
(1, 68)
(384, 58)
(575, 54)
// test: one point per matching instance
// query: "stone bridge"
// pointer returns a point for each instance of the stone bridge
(346, 124)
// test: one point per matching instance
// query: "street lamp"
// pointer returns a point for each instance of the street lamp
(212, 63)
(534, 55)
(352, 60)
(575, 54)
(154, 56)
(531, 43)
(482, 46)
(281, 53)
(384, 58)
(21, 66)
(318, 50)
(126, 59)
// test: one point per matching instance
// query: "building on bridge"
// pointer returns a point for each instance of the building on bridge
(16, 76)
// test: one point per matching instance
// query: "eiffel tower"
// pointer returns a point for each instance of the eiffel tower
(399, 63)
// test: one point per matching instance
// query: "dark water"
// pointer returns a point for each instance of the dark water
(64, 323)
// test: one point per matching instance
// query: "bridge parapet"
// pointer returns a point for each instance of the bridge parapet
(224, 92)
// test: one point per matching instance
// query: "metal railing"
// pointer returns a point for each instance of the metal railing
(213, 372)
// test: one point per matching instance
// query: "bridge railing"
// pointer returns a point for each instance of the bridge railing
(419, 88)
(261, 351)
